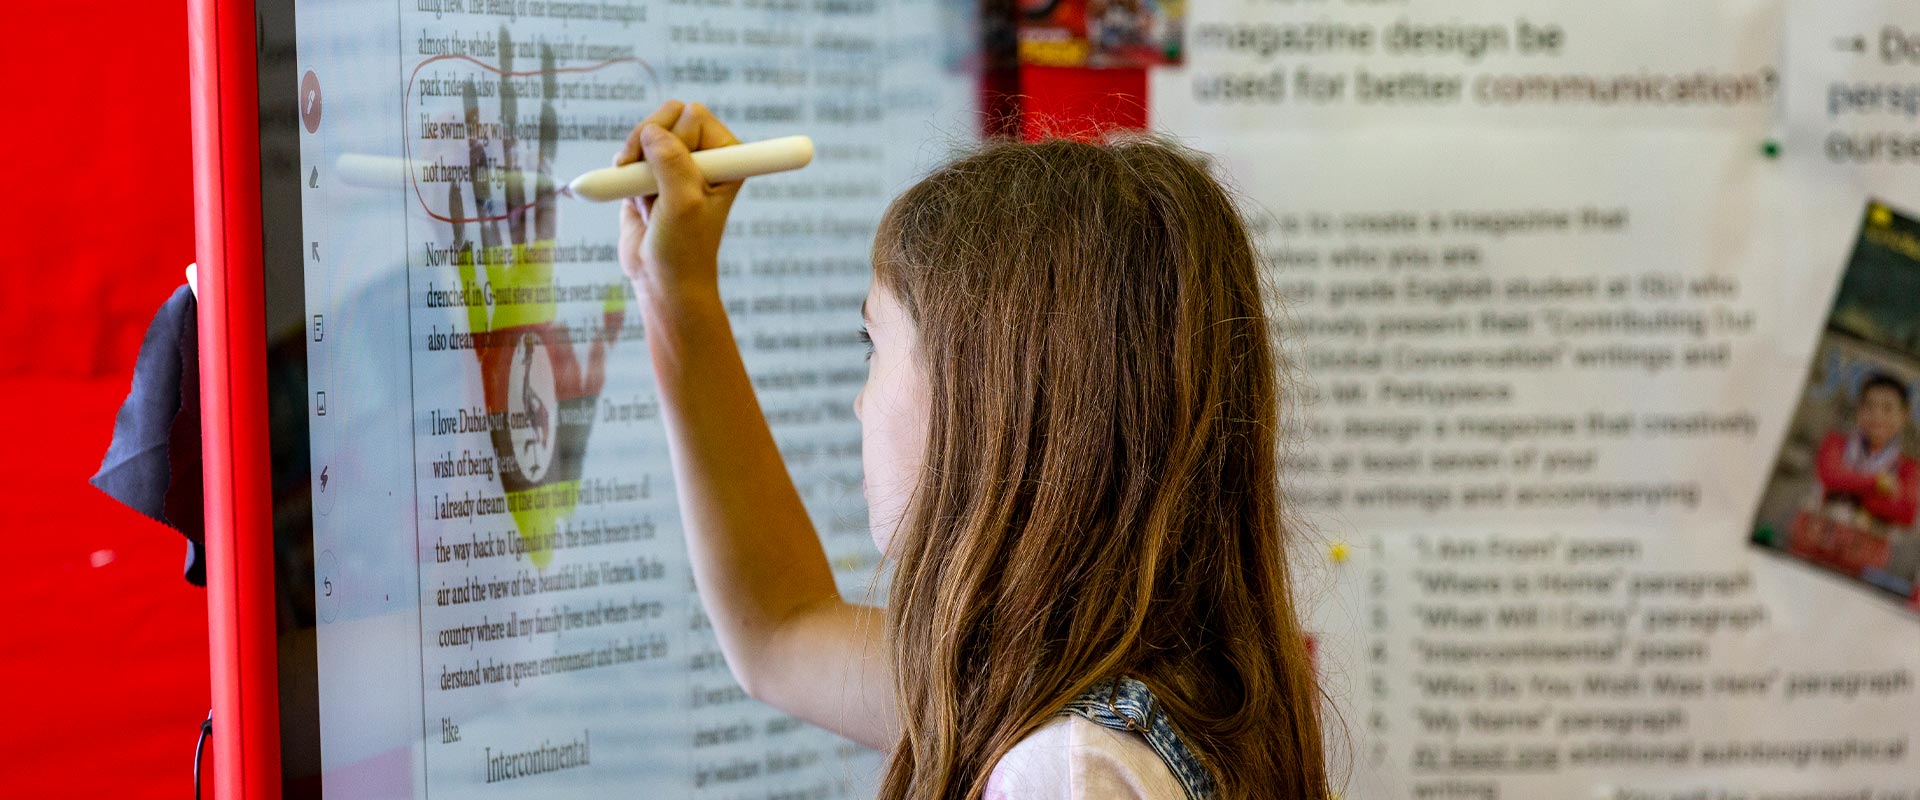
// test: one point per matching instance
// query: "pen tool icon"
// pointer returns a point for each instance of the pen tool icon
(310, 104)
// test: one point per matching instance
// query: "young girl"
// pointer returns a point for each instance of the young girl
(1069, 441)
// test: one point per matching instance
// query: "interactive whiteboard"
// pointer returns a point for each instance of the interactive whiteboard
(481, 584)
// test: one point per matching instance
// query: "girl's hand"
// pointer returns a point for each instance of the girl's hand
(670, 243)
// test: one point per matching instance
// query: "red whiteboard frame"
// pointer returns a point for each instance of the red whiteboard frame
(233, 402)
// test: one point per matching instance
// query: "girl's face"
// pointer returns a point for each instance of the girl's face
(1882, 414)
(892, 408)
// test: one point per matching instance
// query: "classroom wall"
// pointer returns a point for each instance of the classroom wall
(104, 660)
(104, 655)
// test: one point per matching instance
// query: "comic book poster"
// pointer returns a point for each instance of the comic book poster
(1845, 486)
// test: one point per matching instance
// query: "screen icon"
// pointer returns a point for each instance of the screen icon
(310, 101)
(326, 586)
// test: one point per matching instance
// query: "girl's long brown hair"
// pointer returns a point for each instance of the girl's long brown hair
(1100, 495)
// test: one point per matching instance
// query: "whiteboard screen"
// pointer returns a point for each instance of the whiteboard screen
(500, 601)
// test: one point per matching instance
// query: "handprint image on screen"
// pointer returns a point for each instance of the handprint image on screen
(503, 601)
(541, 395)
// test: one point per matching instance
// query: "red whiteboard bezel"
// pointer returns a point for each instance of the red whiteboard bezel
(233, 404)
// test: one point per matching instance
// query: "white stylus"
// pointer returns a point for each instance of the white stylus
(718, 165)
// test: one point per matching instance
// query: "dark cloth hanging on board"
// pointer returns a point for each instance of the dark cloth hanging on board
(153, 464)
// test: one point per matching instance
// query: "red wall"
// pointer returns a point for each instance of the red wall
(1068, 101)
(103, 660)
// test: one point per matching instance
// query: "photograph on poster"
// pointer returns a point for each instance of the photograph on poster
(1101, 33)
(1845, 487)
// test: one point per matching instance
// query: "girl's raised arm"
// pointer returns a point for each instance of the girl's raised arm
(789, 638)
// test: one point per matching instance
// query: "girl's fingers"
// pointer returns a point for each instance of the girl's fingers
(712, 132)
(681, 184)
(633, 231)
(687, 127)
(701, 130)
(662, 116)
(696, 127)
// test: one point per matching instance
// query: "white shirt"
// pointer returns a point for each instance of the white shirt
(1070, 758)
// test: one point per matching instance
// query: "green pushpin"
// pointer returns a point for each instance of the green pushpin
(1770, 148)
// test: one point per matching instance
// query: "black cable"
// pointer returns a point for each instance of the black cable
(206, 729)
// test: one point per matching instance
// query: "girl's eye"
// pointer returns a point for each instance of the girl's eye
(867, 340)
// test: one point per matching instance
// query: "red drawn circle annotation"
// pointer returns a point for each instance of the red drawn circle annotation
(413, 176)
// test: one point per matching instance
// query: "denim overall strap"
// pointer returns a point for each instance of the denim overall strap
(1125, 704)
